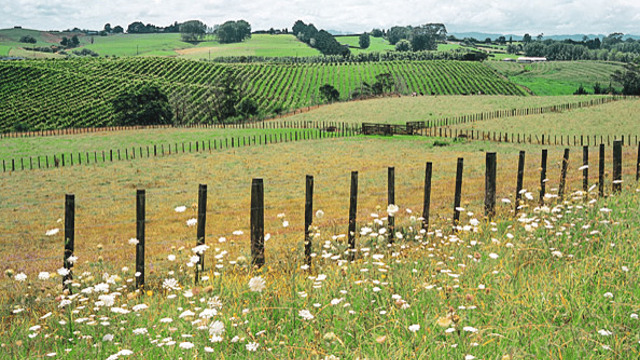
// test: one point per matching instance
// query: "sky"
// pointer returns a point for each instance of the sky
(551, 17)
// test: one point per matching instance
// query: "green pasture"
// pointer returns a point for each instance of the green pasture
(558, 77)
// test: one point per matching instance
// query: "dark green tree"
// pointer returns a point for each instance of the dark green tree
(233, 31)
(221, 98)
(28, 39)
(193, 30)
(74, 41)
(118, 29)
(364, 41)
(581, 91)
(107, 28)
(526, 38)
(136, 27)
(64, 42)
(403, 45)
(298, 27)
(597, 88)
(247, 107)
(629, 79)
(398, 33)
(329, 93)
(147, 105)
(377, 33)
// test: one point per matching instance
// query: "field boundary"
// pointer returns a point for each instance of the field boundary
(332, 130)
(257, 206)
(269, 123)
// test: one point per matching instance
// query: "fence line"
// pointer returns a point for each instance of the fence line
(155, 150)
(527, 138)
(271, 123)
(257, 206)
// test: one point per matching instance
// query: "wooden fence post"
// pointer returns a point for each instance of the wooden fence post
(391, 199)
(617, 166)
(585, 169)
(427, 197)
(563, 174)
(202, 222)
(637, 164)
(519, 180)
(308, 219)
(353, 208)
(140, 222)
(601, 166)
(69, 237)
(257, 223)
(490, 185)
(458, 193)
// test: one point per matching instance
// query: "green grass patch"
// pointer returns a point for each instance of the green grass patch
(558, 77)
(393, 110)
(258, 45)
(558, 281)
(376, 45)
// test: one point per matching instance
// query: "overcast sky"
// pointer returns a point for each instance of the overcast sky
(497, 16)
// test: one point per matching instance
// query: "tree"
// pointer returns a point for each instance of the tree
(526, 38)
(181, 100)
(221, 98)
(403, 45)
(28, 39)
(118, 29)
(107, 28)
(298, 27)
(193, 30)
(74, 41)
(376, 33)
(147, 105)
(329, 93)
(581, 91)
(364, 41)
(629, 79)
(233, 31)
(398, 33)
(247, 107)
(136, 27)
(64, 42)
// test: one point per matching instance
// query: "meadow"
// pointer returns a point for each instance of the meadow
(613, 119)
(556, 280)
(553, 283)
(558, 77)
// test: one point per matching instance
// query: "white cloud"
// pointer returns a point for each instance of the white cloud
(497, 16)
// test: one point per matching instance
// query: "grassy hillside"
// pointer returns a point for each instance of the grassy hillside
(77, 93)
(155, 45)
(618, 118)
(557, 281)
(377, 44)
(400, 110)
(558, 77)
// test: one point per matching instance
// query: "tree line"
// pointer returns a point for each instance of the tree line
(319, 39)
(611, 48)
(461, 54)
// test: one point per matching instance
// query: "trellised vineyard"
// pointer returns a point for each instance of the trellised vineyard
(49, 94)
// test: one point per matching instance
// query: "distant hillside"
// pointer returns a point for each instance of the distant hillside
(558, 77)
(518, 37)
(151, 45)
(41, 95)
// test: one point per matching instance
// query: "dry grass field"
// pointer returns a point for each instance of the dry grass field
(33, 201)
